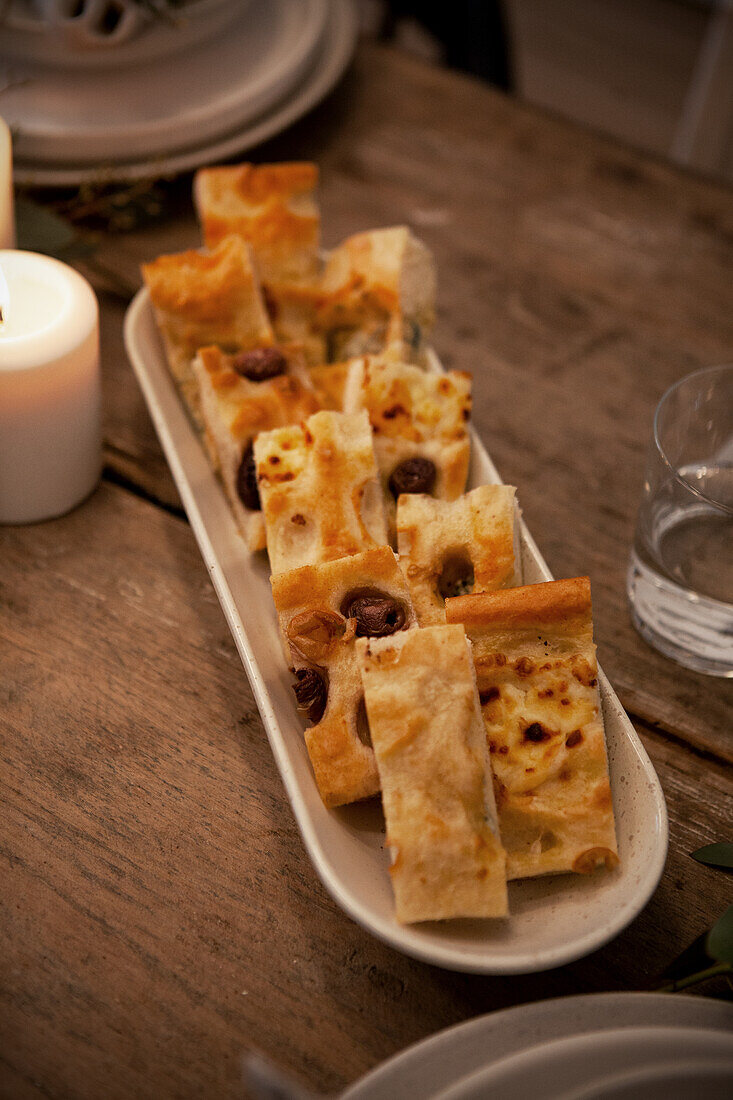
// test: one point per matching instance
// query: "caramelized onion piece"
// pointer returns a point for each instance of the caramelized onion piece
(587, 861)
(314, 633)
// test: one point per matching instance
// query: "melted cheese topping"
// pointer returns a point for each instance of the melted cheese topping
(537, 678)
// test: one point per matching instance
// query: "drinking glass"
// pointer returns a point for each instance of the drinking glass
(680, 578)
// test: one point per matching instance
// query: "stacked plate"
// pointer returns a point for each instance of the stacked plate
(92, 99)
(605, 1046)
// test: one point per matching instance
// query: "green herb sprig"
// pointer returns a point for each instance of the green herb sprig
(711, 954)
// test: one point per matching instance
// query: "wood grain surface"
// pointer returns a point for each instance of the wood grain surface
(159, 916)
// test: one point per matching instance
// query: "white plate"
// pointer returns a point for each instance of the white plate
(577, 1048)
(592, 1063)
(192, 97)
(48, 31)
(333, 55)
(553, 919)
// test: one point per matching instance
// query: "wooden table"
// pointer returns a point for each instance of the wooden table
(159, 913)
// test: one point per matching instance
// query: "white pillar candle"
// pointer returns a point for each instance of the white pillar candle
(50, 394)
(7, 217)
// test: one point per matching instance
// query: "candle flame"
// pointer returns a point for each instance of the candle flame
(4, 298)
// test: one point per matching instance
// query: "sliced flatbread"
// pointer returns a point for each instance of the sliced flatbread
(378, 295)
(450, 548)
(434, 771)
(420, 425)
(206, 298)
(538, 684)
(319, 490)
(322, 609)
(271, 206)
(237, 401)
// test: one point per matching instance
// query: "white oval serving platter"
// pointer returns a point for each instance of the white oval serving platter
(554, 919)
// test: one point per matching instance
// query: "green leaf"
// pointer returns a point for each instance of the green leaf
(689, 961)
(715, 855)
(719, 944)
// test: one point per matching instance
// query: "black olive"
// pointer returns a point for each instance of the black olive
(260, 364)
(247, 488)
(311, 692)
(362, 724)
(414, 475)
(377, 614)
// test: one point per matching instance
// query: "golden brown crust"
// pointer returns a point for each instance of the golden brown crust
(272, 207)
(235, 409)
(471, 542)
(378, 271)
(329, 382)
(213, 296)
(319, 490)
(563, 603)
(344, 767)
(316, 635)
(326, 585)
(202, 298)
(434, 771)
(538, 684)
(245, 407)
(378, 295)
(414, 414)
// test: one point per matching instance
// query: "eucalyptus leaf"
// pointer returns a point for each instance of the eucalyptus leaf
(719, 944)
(715, 855)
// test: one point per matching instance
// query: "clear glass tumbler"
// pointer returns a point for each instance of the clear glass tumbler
(680, 578)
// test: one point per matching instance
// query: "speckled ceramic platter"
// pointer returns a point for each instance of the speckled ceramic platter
(554, 919)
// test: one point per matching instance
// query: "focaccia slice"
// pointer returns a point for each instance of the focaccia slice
(205, 298)
(450, 548)
(271, 206)
(434, 771)
(239, 397)
(537, 678)
(292, 309)
(378, 295)
(329, 382)
(322, 609)
(420, 425)
(319, 490)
